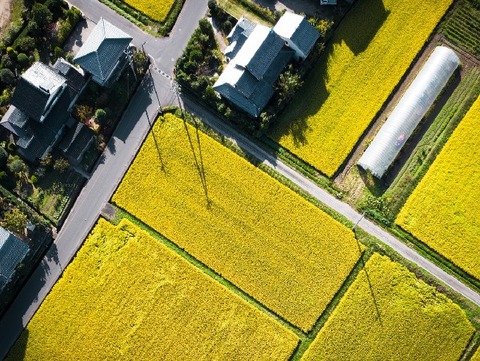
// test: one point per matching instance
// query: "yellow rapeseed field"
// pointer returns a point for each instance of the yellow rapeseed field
(126, 296)
(154, 9)
(389, 314)
(369, 53)
(476, 355)
(444, 209)
(254, 231)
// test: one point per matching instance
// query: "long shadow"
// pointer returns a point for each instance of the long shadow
(356, 30)
(198, 162)
(370, 286)
(157, 144)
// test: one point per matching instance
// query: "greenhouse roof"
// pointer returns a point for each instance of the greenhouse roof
(409, 111)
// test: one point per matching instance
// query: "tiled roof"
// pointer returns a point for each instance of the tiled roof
(101, 51)
(35, 89)
(259, 51)
(12, 252)
(14, 120)
(75, 76)
(298, 30)
(76, 140)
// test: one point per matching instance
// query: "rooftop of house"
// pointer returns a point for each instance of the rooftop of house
(102, 50)
(75, 76)
(259, 51)
(75, 140)
(298, 30)
(238, 35)
(36, 90)
(12, 252)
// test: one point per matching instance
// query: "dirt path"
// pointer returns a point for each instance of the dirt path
(5, 11)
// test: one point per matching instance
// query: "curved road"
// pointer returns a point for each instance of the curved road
(154, 93)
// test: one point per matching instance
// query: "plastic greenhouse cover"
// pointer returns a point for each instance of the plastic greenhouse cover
(409, 111)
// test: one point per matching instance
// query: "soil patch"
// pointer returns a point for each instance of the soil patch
(5, 13)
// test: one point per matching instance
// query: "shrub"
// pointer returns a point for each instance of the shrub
(6, 76)
(15, 220)
(23, 60)
(3, 157)
(25, 44)
(61, 165)
(33, 179)
(17, 166)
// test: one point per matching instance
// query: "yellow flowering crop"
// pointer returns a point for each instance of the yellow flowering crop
(369, 53)
(154, 9)
(476, 355)
(444, 210)
(233, 217)
(389, 314)
(126, 296)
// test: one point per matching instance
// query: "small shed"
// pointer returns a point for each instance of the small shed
(409, 111)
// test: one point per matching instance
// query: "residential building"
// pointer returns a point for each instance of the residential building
(104, 53)
(260, 54)
(40, 106)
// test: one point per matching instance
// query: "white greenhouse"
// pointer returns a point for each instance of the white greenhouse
(409, 111)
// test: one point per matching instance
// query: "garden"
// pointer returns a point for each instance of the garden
(154, 17)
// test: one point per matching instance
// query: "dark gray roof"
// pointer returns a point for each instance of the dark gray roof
(242, 29)
(75, 77)
(36, 90)
(76, 140)
(12, 252)
(265, 55)
(297, 32)
(30, 99)
(14, 120)
(102, 50)
(305, 36)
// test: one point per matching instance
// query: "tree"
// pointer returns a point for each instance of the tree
(15, 220)
(17, 166)
(41, 15)
(288, 83)
(3, 157)
(100, 115)
(61, 165)
(6, 76)
(23, 60)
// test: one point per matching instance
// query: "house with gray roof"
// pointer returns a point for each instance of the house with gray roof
(298, 33)
(104, 53)
(40, 106)
(237, 36)
(12, 253)
(249, 78)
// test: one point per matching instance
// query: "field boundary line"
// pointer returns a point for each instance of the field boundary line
(121, 213)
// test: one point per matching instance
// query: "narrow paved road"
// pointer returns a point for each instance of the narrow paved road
(323, 196)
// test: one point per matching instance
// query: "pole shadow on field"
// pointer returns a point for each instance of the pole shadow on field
(370, 286)
(157, 145)
(198, 160)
